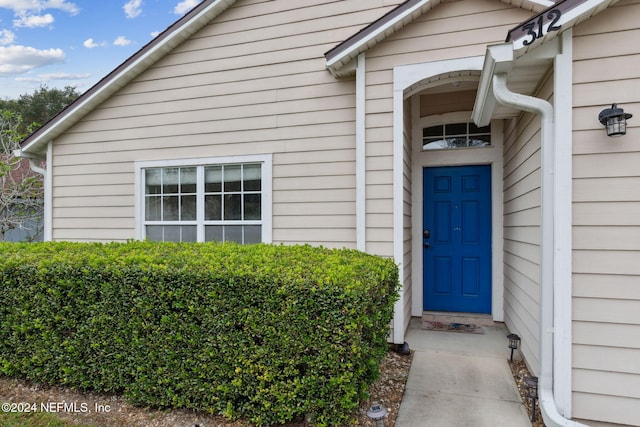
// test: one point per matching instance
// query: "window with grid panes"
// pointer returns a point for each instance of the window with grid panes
(203, 203)
(455, 135)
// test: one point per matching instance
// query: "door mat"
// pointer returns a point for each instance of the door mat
(465, 328)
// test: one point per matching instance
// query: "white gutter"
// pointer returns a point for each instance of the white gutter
(550, 413)
(32, 161)
(46, 174)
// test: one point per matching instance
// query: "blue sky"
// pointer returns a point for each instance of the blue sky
(75, 42)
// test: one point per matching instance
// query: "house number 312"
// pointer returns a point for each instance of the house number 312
(535, 29)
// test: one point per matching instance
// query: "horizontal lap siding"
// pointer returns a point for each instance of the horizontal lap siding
(522, 233)
(251, 82)
(606, 218)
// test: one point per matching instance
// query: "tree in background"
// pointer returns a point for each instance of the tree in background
(41, 106)
(21, 189)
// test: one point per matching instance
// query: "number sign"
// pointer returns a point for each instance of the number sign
(539, 26)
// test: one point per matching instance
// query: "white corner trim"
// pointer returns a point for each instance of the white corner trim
(398, 209)
(563, 307)
(361, 211)
(48, 195)
(267, 185)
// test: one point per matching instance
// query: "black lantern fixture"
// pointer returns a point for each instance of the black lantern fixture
(377, 413)
(615, 120)
(532, 393)
(514, 342)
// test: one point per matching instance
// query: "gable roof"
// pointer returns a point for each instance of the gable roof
(35, 144)
(344, 53)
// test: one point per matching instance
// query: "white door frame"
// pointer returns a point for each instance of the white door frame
(458, 157)
(407, 80)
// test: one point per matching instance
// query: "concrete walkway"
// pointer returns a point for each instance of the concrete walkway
(459, 380)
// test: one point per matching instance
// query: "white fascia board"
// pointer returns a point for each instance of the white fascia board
(567, 20)
(351, 51)
(124, 76)
(533, 4)
(498, 60)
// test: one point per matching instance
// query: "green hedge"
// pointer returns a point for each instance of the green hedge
(262, 332)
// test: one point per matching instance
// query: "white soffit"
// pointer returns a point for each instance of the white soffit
(528, 53)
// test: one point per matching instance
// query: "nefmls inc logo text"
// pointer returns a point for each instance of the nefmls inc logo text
(64, 407)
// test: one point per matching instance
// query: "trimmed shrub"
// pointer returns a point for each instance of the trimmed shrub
(262, 332)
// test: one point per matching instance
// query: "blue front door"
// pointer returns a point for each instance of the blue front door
(457, 239)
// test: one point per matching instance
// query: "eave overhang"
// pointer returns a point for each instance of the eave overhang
(347, 51)
(174, 35)
(339, 60)
(528, 53)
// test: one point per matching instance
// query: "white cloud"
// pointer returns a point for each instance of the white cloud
(133, 8)
(64, 5)
(7, 37)
(22, 6)
(29, 13)
(155, 34)
(54, 76)
(90, 44)
(32, 21)
(121, 41)
(21, 59)
(184, 6)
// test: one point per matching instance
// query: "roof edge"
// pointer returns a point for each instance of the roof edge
(389, 23)
(133, 66)
(346, 51)
(552, 21)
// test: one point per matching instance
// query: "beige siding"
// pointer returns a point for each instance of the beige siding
(251, 82)
(606, 217)
(522, 180)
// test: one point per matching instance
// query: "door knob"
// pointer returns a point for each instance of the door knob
(426, 245)
(426, 234)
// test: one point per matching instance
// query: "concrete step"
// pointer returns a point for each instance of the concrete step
(464, 318)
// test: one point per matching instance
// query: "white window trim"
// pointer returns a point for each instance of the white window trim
(266, 160)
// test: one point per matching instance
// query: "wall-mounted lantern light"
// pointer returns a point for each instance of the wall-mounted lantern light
(615, 120)
(376, 413)
(514, 342)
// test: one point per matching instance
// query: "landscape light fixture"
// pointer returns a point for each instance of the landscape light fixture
(514, 342)
(377, 413)
(532, 393)
(615, 120)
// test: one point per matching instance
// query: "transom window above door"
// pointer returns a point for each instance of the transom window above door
(455, 135)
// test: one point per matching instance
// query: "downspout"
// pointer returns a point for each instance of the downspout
(503, 95)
